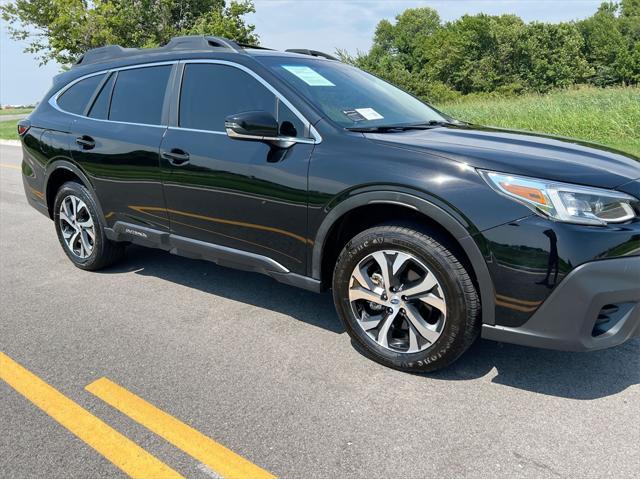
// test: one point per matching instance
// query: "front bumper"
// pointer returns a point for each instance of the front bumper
(596, 306)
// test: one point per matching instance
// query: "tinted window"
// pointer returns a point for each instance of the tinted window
(100, 108)
(76, 98)
(138, 95)
(212, 92)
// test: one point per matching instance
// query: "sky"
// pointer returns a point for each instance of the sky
(323, 25)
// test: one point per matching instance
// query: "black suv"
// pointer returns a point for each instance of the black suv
(430, 231)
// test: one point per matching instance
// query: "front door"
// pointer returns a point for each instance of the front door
(246, 195)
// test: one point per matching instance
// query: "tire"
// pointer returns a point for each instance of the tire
(424, 330)
(80, 232)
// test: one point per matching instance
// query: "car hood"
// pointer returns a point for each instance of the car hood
(520, 153)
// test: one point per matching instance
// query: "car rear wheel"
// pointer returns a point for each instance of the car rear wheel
(405, 298)
(80, 233)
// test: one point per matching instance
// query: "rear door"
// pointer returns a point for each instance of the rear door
(247, 195)
(116, 140)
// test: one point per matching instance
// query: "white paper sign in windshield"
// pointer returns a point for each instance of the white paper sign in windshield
(361, 114)
(369, 114)
(308, 75)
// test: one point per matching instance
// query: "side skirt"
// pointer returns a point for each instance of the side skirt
(222, 255)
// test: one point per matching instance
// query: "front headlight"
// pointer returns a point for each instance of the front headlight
(564, 202)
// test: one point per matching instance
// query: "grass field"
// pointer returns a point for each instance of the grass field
(9, 130)
(607, 116)
(15, 111)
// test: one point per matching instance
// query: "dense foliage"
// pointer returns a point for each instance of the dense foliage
(62, 30)
(484, 53)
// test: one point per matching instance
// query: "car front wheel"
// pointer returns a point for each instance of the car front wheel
(405, 298)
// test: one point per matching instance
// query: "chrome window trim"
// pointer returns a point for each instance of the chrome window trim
(309, 141)
(317, 138)
(213, 132)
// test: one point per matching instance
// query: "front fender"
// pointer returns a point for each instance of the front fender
(452, 222)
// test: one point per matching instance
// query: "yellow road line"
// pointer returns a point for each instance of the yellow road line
(5, 165)
(121, 451)
(215, 456)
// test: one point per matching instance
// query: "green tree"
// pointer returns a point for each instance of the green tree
(405, 39)
(611, 38)
(486, 53)
(397, 54)
(476, 53)
(630, 8)
(551, 56)
(61, 30)
(630, 28)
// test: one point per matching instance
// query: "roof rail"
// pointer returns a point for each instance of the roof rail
(313, 53)
(194, 42)
(253, 47)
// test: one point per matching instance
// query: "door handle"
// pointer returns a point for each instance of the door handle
(176, 156)
(86, 142)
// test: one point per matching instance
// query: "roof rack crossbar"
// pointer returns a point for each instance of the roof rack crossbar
(313, 53)
(199, 42)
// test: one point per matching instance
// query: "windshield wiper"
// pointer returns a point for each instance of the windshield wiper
(391, 128)
(445, 123)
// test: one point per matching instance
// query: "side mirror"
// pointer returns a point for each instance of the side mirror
(252, 125)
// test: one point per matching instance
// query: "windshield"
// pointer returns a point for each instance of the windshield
(349, 96)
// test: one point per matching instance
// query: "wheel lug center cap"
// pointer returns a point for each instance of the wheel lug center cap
(395, 300)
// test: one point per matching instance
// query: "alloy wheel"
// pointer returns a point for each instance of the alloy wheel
(397, 301)
(77, 226)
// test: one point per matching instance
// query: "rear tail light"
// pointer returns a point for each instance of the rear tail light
(23, 127)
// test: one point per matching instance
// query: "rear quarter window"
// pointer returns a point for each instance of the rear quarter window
(76, 98)
(100, 108)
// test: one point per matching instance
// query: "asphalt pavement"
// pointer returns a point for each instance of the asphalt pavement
(267, 371)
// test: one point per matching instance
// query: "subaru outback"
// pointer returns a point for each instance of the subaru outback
(429, 231)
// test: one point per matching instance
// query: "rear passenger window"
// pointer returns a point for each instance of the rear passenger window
(138, 95)
(77, 97)
(212, 92)
(100, 108)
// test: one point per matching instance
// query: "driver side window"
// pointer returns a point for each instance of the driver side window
(211, 92)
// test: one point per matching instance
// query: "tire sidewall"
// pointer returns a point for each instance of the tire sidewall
(451, 342)
(78, 190)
